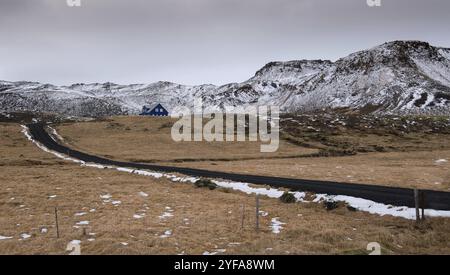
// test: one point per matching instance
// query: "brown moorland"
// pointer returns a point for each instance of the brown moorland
(194, 220)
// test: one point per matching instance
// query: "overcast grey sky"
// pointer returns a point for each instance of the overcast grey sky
(197, 41)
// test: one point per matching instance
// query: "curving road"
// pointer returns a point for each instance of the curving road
(388, 195)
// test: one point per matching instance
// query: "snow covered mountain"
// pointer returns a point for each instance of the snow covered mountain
(400, 77)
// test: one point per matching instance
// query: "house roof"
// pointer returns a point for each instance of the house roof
(153, 106)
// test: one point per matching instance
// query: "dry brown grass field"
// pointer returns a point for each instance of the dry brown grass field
(33, 183)
(148, 139)
(144, 139)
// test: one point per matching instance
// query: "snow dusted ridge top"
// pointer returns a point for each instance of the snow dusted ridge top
(400, 77)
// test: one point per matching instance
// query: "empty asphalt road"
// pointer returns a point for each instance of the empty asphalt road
(388, 195)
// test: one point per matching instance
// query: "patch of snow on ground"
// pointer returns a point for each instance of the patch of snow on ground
(99, 166)
(140, 172)
(5, 238)
(167, 213)
(166, 234)
(139, 216)
(263, 213)
(440, 161)
(75, 242)
(215, 252)
(143, 194)
(55, 133)
(244, 187)
(106, 197)
(381, 209)
(25, 236)
(276, 225)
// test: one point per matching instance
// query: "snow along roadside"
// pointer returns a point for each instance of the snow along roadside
(357, 203)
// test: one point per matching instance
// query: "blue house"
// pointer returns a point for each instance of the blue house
(156, 110)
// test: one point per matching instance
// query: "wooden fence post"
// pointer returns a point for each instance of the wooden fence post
(56, 221)
(243, 216)
(257, 212)
(416, 203)
(422, 202)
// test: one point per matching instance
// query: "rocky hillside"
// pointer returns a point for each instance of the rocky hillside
(401, 77)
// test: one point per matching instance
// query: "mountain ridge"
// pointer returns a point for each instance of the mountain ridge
(398, 77)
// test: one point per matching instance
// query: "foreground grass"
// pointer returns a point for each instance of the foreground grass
(33, 183)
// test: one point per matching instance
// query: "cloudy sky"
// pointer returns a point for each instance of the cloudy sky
(197, 41)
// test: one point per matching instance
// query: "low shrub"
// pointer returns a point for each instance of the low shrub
(288, 198)
(330, 205)
(205, 183)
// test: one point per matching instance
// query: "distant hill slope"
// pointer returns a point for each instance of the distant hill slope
(400, 77)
